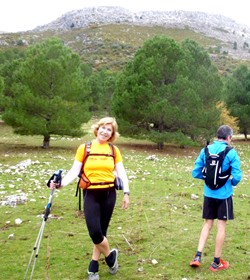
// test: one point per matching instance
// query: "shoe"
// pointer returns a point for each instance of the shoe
(196, 261)
(221, 266)
(93, 276)
(114, 268)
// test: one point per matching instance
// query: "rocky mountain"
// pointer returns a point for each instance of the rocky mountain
(215, 26)
(107, 37)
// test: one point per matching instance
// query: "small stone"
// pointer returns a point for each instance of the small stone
(154, 261)
(11, 236)
(18, 221)
(194, 196)
(140, 269)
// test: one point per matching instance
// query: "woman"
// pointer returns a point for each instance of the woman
(99, 200)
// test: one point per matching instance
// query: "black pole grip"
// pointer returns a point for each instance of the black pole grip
(56, 177)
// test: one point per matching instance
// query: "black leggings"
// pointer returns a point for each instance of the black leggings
(98, 208)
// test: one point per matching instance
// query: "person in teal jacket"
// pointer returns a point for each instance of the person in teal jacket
(217, 204)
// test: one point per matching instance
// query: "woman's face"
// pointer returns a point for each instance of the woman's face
(104, 133)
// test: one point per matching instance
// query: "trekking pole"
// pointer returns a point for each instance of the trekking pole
(57, 179)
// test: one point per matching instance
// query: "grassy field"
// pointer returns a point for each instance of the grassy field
(157, 236)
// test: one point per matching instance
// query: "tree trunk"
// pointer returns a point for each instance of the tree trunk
(46, 139)
(160, 146)
(245, 134)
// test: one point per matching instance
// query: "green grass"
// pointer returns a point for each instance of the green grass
(163, 223)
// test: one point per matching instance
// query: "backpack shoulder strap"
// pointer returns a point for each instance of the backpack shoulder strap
(112, 149)
(87, 149)
(85, 155)
(225, 151)
(228, 148)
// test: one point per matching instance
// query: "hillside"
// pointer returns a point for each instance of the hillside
(107, 37)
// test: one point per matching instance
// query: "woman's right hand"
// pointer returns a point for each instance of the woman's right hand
(54, 185)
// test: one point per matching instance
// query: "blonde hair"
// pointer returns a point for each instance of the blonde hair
(107, 120)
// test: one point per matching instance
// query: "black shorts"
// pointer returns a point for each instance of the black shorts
(221, 209)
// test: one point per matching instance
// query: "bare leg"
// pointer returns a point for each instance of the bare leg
(220, 237)
(208, 224)
(96, 254)
(101, 248)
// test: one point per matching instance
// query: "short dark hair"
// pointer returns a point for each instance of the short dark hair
(224, 131)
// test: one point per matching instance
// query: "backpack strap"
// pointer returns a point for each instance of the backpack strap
(85, 156)
(87, 149)
(224, 153)
(107, 155)
(113, 150)
(227, 172)
(227, 149)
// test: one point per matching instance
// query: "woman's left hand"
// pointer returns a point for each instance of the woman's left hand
(125, 201)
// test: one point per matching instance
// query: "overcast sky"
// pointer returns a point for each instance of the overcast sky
(23, 15)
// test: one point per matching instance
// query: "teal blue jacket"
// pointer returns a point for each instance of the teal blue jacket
(232, 159)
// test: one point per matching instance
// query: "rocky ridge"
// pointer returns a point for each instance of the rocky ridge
(212, 25)
(233, 38)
